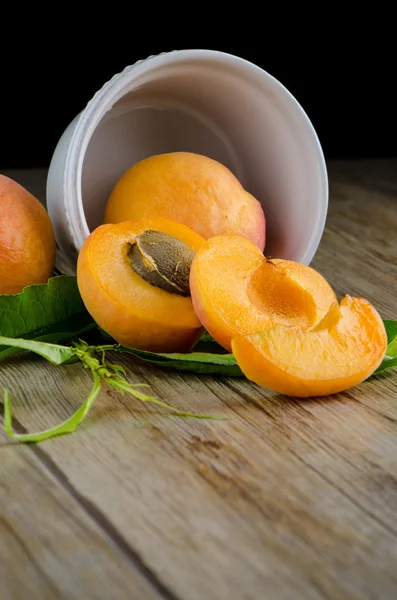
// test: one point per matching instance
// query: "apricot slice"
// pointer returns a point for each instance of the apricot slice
(27, 239)
(192, 189)
(237, 291)
(134, 280)
(328, 359)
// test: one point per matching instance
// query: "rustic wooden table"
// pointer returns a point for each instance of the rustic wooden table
(286, 500)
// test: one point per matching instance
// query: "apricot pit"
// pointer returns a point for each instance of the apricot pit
(162, 260)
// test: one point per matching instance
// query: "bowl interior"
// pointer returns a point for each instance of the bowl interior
(228, 110)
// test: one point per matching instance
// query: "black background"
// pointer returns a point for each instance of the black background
(348, 89)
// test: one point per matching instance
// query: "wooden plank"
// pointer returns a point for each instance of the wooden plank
(51, 546)
(358, 252)
(261, 502)
(169, 512)
(287, 499)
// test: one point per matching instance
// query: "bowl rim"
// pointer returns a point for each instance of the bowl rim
(115, 89)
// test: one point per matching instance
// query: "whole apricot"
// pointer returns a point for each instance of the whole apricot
(337, 354)
(27, 239)
(237, 291)
(134, 280)
(189, 188)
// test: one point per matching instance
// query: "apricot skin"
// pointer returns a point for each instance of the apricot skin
(27, 239)
(325, 360)
(134, 312)
(189, 188)
(237, 291)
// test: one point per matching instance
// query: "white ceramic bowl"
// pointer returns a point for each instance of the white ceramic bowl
(200, 101)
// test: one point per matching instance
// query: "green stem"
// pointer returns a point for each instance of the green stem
(65, 427)
(123, 386)
(113, 375)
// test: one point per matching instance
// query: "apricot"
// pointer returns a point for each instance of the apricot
(237, 291)
(27, 239)
(133, 278)
(189, 188)
(330, 358)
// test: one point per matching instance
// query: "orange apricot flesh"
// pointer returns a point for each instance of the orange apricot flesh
(27, 239)
(192, 189)
(332, 357)
(237, 291)
(134, 312)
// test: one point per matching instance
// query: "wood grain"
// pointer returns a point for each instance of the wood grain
(286, 500)
(49, 546)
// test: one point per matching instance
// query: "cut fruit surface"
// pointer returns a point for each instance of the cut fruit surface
(339, 353)
(237, 291)
(131, 296)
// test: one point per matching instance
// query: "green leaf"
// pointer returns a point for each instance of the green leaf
(196, 362)
(391, 350)
(59, 332)
(50, 312)
(388, 362)
(391, 330)
(206, 358)
(207, 337)
(67, 426)
(54, 353)
(390, 359)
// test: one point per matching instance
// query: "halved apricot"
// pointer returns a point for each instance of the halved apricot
(334, 356)
(237, 291)
(134, 280)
